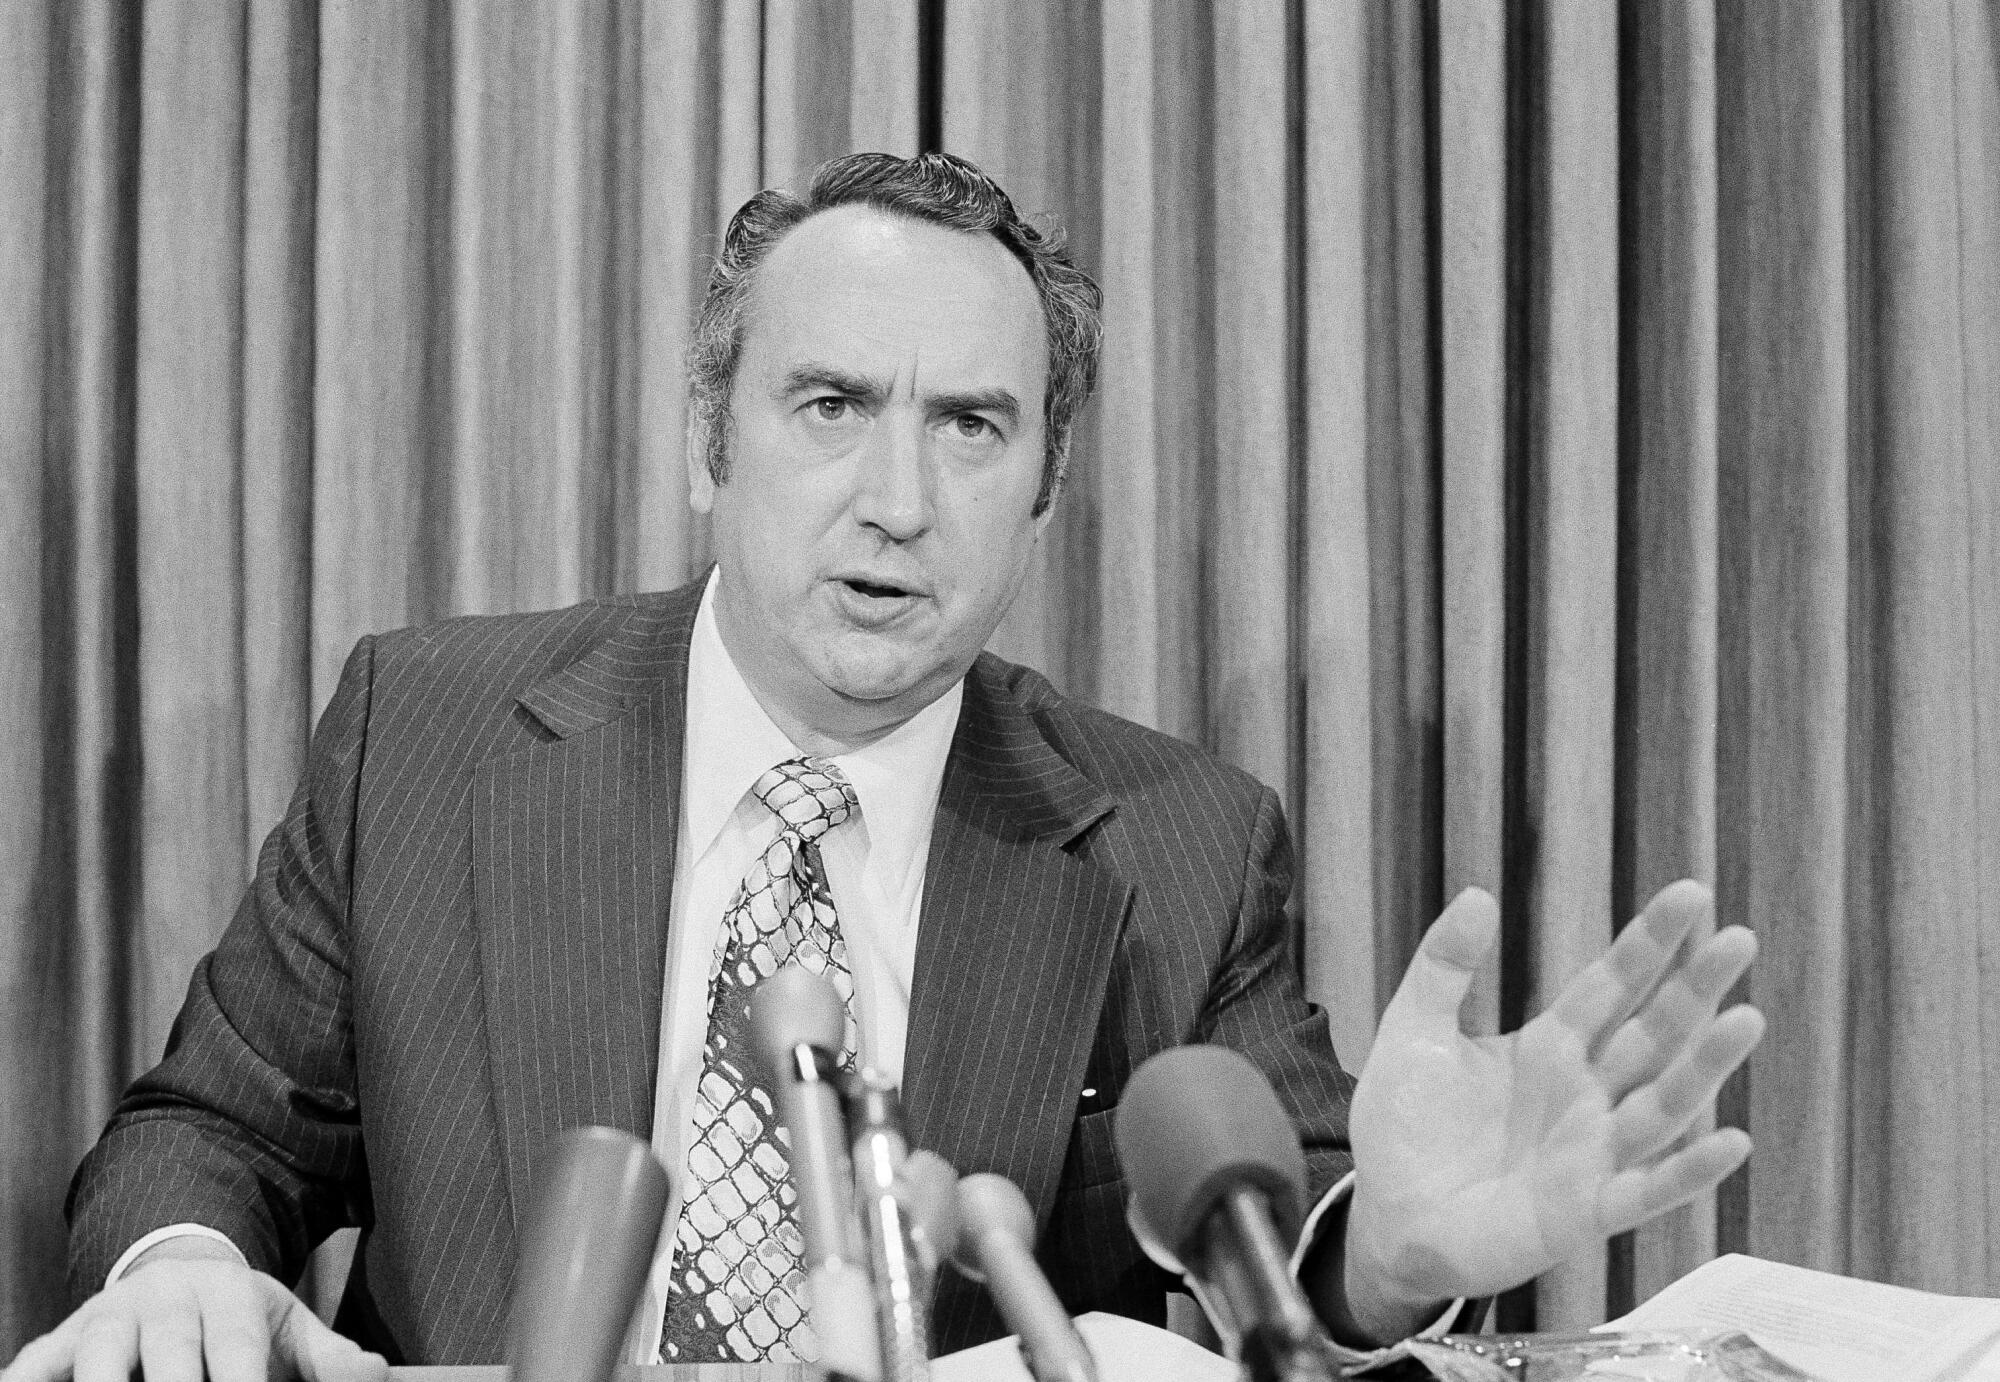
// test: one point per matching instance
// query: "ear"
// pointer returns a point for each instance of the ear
(701, 484)
(1055, 497)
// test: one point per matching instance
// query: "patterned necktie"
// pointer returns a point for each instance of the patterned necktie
(738, 1291)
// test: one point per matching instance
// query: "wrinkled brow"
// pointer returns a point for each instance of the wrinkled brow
(808, 377)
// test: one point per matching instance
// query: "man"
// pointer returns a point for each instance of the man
(454, 945)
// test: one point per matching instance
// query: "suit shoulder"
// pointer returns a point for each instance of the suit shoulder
(501, 654)
(1130, 760)
(459, 690)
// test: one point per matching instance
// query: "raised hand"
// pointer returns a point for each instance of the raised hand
(189, 1313)
(1483, 1161)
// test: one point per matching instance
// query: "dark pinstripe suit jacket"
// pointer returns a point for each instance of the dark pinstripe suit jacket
(454, 948)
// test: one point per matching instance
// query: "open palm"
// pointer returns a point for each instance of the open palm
(1483, 1161)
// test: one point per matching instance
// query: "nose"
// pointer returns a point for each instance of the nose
(892, 491)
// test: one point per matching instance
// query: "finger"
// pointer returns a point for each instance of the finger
(320, 1355)
(1653, 1115)
(1640, 1049)
(170, 1340)
(236, 1328)
(1442, 971)
(48, 1358)
(107, 1348)
(1612, 987)
(1632, 1197)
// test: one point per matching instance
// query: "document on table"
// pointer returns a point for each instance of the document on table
(1126, 1351)
(1834, 1327)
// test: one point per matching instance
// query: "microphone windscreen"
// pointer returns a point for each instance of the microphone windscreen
(996, 1245)
(791, 1008)
(592, 1224)
(989, 1203)
(933, 1200)
(1196, 1121)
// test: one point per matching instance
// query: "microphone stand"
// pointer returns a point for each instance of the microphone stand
(1281, 1339)
(836, 1274)
(902, 1281)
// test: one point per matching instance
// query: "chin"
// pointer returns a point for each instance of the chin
(877, 685)
(880, 692)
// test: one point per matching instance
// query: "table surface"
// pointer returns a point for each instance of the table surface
(675, 1372)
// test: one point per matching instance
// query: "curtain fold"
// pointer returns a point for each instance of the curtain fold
(1567, 479)
(1253, 696)
(188, 413)
(1555, 445)
(1785, 545)
(69, 835)
(281, 77)
(1664, 818)
(1122, 490)
(1472, 132)
(36, 1068)
(1925, 503)
(1340, 164)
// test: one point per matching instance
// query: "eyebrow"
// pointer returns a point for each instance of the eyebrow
(1000, 401)
(807, 377)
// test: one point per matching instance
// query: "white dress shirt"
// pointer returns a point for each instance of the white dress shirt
(874, 869)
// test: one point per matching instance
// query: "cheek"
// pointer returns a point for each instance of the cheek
(775, 522)
(999, 551)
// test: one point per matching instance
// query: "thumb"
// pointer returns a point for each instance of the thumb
(317, 1354)
(1450, 954)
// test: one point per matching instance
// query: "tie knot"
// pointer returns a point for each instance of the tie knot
(809, 795)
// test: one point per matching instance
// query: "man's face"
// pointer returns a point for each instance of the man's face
(884, 458)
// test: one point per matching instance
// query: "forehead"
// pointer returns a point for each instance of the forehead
(865, 289)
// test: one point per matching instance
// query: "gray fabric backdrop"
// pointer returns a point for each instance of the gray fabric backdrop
(1552, 443)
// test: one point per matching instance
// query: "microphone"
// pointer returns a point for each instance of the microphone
(1216, 1172)
(592, 1225)
(933, 1204)
(796, 1023)
(896, 1260)
(996, 1246)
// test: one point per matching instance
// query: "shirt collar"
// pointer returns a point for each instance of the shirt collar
(730, 742)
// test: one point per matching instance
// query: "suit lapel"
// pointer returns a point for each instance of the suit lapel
(573, 851)
(1014, 951)
(573, 857)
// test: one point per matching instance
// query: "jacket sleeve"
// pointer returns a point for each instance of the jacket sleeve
(1257, 1004)
(250, 1124)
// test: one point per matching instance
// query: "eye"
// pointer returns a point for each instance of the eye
(973, 427)
(832, 408)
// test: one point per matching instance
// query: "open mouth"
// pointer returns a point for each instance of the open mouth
(874, 591)
(879, 605)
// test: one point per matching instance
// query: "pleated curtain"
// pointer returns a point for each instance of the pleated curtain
(1555, 443)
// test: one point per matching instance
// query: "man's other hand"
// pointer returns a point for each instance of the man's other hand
(1482, 1162)
(189, 1308)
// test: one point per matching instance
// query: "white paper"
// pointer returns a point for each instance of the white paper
(1834, 1327)
(1125, 1350)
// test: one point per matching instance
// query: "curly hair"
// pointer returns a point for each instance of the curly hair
(945, 191)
